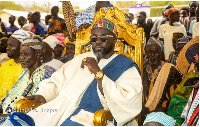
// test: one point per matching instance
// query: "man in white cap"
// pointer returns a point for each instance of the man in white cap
(11, 69)
(57, 43)
(35, 72)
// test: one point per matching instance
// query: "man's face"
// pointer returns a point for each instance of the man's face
(54, 11)
(33, 18)
(131, 17)
(183, 13)
(58, 50)
(103, 45)
(29, 16)
(140, 18)
(70, 49)
(175, 16)
(13, 47)
(46, 51)
(11, 19)
(179, 47)
(20, 22)
(153, 53)
(192, 7)
(28, 57)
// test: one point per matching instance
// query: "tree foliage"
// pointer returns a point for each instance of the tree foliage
(10, 5)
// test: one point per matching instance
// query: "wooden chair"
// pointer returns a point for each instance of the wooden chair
(130, 43)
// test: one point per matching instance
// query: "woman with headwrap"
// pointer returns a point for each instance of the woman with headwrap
(166, 30)
(29, 79)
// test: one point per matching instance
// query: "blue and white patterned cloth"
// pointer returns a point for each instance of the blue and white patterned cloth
(161, 118)
(18, 119)
(87, 15)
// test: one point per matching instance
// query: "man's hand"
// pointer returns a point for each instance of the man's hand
(91, 64)
(84, 26)
(36, 98)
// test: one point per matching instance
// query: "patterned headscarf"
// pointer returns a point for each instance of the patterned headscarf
(34, 42)
(4, 39)
(153, 40)
(22, 34)
(187, 55)
(170, 11)
(55, 39)
(161, 118)
(106, 24)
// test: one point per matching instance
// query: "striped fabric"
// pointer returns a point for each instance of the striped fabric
(48, 72)
(161, 118)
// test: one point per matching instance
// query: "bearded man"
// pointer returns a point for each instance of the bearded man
(92, 81)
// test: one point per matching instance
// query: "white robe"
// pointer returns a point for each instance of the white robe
(64, 90)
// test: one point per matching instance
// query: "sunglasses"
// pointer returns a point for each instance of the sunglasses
(103, 38)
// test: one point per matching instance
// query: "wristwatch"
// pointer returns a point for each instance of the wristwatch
(99, 75)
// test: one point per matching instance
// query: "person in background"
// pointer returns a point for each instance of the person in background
(57, 43)
(184, 17)
(3, 55)
(22, 21)
(150, 22)
(155, 29)
(159, 80)
(3, 28)
(47, 18)
(12, 28)
(37, 28)
(47, 56)
(192, 8)
(141, 22)
(166, 30)
(178, 46)
(131, 17)
(11, 69)
(159, 119)
(28, 26)
(85, 19)
(41, 22)
(70, 51)
(195, 30)
(56, 24)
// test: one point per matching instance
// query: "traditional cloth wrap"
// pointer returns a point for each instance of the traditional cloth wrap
(153, 40)
(170, 11)
(34, 42)
(22, 34)
(187, 55)
(161, 118)
(106, 24)
(55, 39)
(184, 40)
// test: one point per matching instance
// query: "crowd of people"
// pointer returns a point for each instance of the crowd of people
(37, 62)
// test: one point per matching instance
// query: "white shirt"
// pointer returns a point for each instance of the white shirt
(166, 32)
(56, 64)
(195, 30)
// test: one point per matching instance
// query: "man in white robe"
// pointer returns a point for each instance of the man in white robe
(63, 92)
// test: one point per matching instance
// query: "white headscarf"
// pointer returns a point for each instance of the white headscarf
(22, 34)
(52, 41)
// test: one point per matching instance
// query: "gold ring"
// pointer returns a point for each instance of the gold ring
(84, 60)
